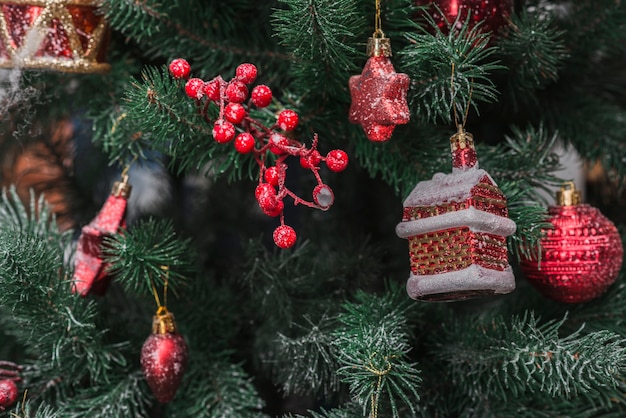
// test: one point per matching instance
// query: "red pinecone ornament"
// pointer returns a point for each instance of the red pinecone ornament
(379, 94)
(8, 393)
(581, 257)
(164, 357)
(89, 268)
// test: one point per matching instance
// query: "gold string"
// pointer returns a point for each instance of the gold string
(380, 373)
(378, 22)
(166, 270)
(469, 101)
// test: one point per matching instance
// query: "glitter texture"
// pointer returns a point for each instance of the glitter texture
(163, 361)
(580, 258)
(379, 99)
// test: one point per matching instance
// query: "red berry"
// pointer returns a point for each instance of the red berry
(244, 143)
(272, 176)
(8, 393)
(288, 120)
(310, 160)
(261, 96)
(223, 132)
(212, 90)
(284, 236)
(278, 143)
(246, 73)
(323, 196)
(264, 189)
(179, 68)
(273, 207)
(337, 160)
(234, 112)
(194, 88)
(237, 92)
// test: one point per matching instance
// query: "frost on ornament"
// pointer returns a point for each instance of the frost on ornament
(270, 146)
(457, 226)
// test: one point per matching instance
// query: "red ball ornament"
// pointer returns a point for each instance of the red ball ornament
(179, 68)
(284, 236)
(212, 90)
(288, 120)
(244, 143)
(493, 13)
(8, 393)
(246, 73)
(581, 257)
(164, 357)
(337, 160)
(234, 113)
(237, 92)
(379, 94)
(272, 176)
(261, 96)
(194, 88)
(223, 132)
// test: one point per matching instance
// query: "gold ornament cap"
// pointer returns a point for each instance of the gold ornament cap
(122, 188)
(568, 196)
(378, 46)
(163, 322)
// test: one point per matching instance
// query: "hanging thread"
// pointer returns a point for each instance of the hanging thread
(380, 373)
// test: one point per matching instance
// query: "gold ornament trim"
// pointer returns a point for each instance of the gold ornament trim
(378, 47)
(122, 188)
(163, 322)
(461, 139)
(82, 61)
(568, 197)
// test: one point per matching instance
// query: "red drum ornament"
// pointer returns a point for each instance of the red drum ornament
(457, 226)
(164, 357)
(581, 257)
(61, 35)
(379, 93)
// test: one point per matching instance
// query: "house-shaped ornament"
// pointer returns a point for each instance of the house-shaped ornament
(457, 226)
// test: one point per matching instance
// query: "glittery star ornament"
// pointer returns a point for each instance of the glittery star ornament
(379, 93)
(164, 357)
(59, 35)
(90, 270)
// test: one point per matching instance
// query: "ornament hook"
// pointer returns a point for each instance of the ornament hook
(568, 196)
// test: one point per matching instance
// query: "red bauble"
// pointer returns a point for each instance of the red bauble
(8, 393)
(237, 92)
(261, 96)
(493, 13)
(246, 73)
(337, 160)
(284, 237)
(379, 98)
(164, 358)
(194, 88)
(179, 68)
(580, 258)
(90, 271)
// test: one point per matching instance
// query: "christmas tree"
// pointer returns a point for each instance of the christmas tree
(246, 262)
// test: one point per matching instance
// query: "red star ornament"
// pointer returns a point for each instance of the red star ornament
(379, 98)
(90, 271)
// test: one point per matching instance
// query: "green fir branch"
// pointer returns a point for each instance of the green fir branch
(349, 410)
(449, 71)
(148, 253)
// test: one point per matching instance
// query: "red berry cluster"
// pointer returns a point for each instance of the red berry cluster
(234, 123)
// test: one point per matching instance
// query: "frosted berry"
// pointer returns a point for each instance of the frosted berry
(284, 236)
(244, 143)
(310, 160)
(264, 189)
(272, 176)
(278, 143)
(234, 113)
(246, 73)
(223, 132)
(272, 207)
(237, 92)
(261, 96)
(337, 160)
(8, 393)
(194, 88)
(323, 196)
(212, 90)
(288, 120)
(179, 68)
